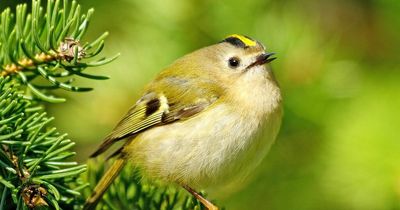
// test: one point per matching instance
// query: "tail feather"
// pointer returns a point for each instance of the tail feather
(104, 183)
(107, 143)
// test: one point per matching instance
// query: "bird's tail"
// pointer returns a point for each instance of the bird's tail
(104, 183)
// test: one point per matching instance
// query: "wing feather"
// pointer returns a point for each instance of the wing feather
(155, 109)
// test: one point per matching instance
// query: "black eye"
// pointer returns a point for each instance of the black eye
(234, 62)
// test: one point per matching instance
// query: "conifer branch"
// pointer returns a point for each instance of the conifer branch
(45, 43)
(33, 169)
(130, 191)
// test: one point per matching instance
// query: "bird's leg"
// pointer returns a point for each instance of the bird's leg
(200, 198)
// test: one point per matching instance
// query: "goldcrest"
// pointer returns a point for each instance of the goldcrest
(198, 122)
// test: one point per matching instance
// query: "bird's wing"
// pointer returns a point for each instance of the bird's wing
(156, 108)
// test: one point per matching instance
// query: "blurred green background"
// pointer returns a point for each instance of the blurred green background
(338, 66)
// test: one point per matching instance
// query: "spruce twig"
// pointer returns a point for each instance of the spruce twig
(46, 43)
(131, 191)
(43, 45)
(33, 170)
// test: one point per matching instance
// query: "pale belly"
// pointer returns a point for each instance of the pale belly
(217, 148)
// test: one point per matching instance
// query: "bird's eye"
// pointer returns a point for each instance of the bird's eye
(234, 62)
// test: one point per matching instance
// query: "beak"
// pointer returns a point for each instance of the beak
(262, 59)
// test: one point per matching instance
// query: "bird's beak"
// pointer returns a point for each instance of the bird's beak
(262, 59)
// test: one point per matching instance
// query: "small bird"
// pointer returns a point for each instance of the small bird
(198, 123)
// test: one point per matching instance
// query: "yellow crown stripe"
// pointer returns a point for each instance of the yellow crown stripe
(245, 40)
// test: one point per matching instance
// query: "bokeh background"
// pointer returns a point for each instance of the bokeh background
(338, 66)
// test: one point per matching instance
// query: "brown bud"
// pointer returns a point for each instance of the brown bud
(33, 196)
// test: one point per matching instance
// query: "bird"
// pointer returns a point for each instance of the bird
(205, 121)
